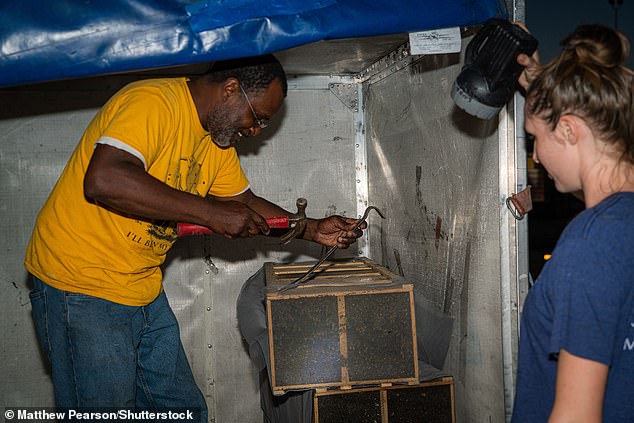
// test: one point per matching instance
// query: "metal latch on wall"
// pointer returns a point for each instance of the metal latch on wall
(520, 204)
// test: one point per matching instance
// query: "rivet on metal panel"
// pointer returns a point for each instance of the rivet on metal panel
(209, 346)
(356, 145)
(206, 272)
(358, 181)
(347, 93)
(208, 308)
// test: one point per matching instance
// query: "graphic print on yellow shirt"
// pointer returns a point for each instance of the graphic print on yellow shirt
(79, 246)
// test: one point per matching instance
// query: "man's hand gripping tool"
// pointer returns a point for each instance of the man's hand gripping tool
(296, 222)
(306, 276)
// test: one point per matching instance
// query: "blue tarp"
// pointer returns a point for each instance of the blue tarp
(59, 39)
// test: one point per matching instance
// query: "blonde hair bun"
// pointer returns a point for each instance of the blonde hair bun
(599, 45)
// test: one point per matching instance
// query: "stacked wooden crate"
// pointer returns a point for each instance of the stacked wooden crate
(350, 330)
(426, 402)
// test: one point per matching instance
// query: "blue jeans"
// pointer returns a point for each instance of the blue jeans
(109, 355)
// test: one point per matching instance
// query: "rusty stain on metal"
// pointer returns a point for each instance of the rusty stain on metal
(438, 227)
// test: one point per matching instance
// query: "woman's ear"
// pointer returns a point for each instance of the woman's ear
(568, 129)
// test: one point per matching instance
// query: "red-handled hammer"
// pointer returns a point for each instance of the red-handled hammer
(296, 222)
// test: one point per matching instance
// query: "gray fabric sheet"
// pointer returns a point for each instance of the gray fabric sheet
(293, 407)
(297, 407)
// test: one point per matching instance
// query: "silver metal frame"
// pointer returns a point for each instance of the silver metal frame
(361, 168)
(513, 233)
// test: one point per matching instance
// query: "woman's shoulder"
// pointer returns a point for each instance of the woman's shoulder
(615, 215)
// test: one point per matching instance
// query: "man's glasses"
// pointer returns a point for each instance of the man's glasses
(260, 123)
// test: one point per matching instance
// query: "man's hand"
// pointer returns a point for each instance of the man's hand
(530, 63)
(531, 68)
(334, 230)
(233, 219)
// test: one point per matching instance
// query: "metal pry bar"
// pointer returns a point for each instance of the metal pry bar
(312, 270)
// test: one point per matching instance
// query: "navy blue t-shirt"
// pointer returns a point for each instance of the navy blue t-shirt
(583, 302)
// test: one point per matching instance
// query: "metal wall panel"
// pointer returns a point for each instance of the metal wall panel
(33, 152)
(308, 153)
(434, 171)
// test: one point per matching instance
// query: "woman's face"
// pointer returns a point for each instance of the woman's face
(555, 153)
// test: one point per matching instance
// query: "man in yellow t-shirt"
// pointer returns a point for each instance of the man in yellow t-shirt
(159, 151)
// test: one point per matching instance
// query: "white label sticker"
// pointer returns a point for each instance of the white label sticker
(437, 41)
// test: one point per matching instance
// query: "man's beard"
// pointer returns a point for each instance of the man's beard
(222, 131)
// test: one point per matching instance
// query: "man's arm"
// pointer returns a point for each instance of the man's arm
(118, 180)
(579, 390)
(331, 231)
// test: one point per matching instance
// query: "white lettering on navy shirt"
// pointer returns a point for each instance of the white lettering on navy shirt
(628, 345)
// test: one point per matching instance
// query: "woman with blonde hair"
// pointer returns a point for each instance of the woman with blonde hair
(576, 354)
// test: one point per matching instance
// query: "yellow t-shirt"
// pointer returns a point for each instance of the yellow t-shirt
(78, 246)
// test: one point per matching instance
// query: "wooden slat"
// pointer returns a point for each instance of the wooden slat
(315, 408)
(297, 267)
(307, 293)
(453, 405)
(413, 313)
(404, 381)
(326, 279)
(330, 276)
(329, 265)
(444, 380)
(343, 338)
(342, 284)
(269, 319)
(384, 410)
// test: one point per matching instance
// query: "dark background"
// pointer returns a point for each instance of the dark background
(550, 21)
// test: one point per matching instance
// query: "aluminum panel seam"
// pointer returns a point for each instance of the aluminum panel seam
(513, 234)
(361, 168)
(392, 63)
(523, 271)
(522, 225)
(317, 82)
(507, 259)
(209, 389)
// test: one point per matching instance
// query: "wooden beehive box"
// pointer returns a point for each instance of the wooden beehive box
(352, 324)
(422, 403)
